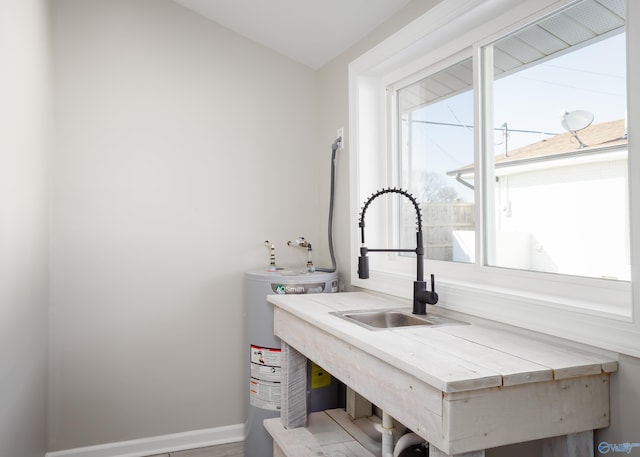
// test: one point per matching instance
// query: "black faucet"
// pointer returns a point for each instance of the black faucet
(421, 296)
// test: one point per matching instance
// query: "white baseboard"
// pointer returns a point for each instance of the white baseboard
(159, 444)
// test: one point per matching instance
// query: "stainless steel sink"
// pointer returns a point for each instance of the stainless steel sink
(394, 318)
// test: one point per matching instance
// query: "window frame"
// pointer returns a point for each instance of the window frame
(570, 307)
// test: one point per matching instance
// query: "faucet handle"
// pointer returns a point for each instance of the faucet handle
(422, 296)
(432, 297)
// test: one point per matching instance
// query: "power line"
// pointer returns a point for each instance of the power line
(587, 72)
(584, 89)
(448, 124)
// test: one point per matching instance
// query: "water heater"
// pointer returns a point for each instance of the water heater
(263, 352)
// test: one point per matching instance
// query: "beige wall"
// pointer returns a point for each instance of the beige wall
(180, 147)
(25, 108)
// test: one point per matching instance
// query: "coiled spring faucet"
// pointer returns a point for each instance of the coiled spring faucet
(421, 296)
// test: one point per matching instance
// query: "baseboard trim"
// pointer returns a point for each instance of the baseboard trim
(159, 444)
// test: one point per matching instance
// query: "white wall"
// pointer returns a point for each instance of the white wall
(25, 109)
(569, 196)
(179, 148)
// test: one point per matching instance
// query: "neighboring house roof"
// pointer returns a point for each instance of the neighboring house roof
(597, 138)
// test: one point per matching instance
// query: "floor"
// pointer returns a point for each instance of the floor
(223, 450)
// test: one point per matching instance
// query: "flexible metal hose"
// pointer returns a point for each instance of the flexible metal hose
(334, 149)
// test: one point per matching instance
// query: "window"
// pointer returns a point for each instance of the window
(435, 131)
(508, 122)
(557, 152)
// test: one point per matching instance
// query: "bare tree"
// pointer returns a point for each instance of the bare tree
(433, 188)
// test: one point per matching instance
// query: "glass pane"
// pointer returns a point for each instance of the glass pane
(435, 143)
(559, 184)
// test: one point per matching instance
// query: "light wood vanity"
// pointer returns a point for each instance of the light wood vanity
(463, 388)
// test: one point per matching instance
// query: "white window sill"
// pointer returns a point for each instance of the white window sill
(587, 323)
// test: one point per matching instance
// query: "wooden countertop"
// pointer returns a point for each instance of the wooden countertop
(450, 358)
(463, 387)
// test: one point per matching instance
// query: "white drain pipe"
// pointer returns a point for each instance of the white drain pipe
(387, 435)
(389, 449)
(406, 441)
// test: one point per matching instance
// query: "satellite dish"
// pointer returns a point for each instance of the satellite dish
(575, 121)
